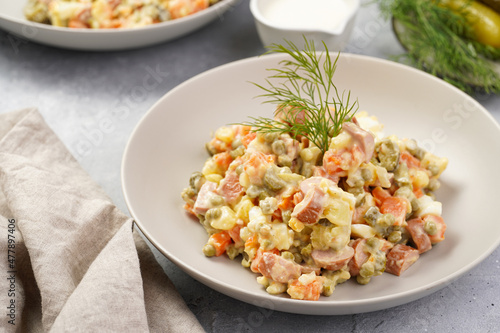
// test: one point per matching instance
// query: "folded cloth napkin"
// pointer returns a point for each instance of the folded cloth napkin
(70, 260)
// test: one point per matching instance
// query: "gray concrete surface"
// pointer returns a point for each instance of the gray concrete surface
(80, 92)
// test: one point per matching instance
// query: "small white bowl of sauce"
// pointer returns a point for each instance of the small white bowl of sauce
(329, 21)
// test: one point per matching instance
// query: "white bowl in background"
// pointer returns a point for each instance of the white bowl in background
(12, 20)
(328, 21)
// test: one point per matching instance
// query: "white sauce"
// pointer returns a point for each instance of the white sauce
(306, 14)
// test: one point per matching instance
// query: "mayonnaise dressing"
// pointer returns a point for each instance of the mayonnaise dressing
(306, 14)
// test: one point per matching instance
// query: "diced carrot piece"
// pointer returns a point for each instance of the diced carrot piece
(223, 160)
(418, 192)
(252, 242)
(241, 130)
(410, 160)
(251, 245)
(219, 146)
(307, 292)
(379, 194)
(332, 162)
(255, 160)
(248, 138)
(189, 209)
(397, 206)
(220, 241)
(285, 203)
(76, 23)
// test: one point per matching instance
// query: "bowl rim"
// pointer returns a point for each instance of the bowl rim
(101, 31)
(339, 30)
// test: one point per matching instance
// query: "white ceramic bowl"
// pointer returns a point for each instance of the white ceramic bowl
(311, 21)
(12, 20)
(168, 145)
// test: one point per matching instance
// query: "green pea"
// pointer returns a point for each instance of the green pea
(434, 184)
(363, 280)
(271, 137)
(288, 255)
(367, 270)
(306, 170)
(388, 154)
(366, 174)
(297, 258)
(268, 205)
(278, 147)
(217, 200)
(373, 243)
(372, 215)
(239, 169)
(232, 252)
(286, 215)
(403, 192)
(266, 244)
(195, 181)
(253, 191)
(394, 237)
(430, 227)
(236, 143)
(434, 169)
(306, 251)
(415, 205)
(210, 149)
(412, 147)
(284, 160)
(420, 153)
(237, 152)
(245, 262)
(209, 250)
(356, 190)
(402, 177)
(188, 194)
(386, 220)
(213, 213)
(328, 289)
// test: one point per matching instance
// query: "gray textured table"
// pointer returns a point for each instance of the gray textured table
(77, 92)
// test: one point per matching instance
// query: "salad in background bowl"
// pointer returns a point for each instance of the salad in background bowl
(13, 20)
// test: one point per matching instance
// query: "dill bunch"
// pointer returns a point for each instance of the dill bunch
(309, 103)
(439, 41)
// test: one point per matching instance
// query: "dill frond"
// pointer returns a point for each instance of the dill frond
(309, 103)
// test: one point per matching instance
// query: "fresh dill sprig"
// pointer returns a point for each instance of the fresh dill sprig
(309, 103)
(439, 41)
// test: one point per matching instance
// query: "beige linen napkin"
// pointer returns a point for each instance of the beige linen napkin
(69, 259)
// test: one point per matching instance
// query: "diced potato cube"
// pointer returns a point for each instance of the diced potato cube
(226, 220)
(362, 231)
(225, 134)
